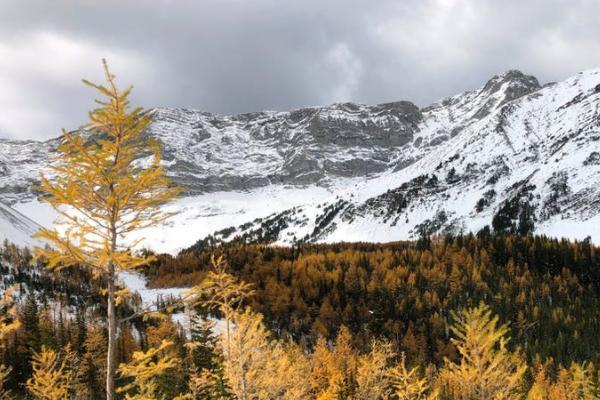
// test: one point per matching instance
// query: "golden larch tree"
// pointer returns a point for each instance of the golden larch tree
(250, 352)
(109, 184)
(487, 369)
(407, 383)
(52, 377)
(221, 291)
(373, 370)
(144, 370)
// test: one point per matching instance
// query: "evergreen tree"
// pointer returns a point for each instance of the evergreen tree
(207, 373)
(526, 224)
(93, 364)
(203, 344)
(81, 331)
(221, 291)
(30, 321)
(208, 385)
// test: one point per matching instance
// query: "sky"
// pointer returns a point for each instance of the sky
(233, 56)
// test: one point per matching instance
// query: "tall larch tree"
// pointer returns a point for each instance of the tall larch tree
(144, 371)
(52, 377)
(219, 290)
(487, 369)
(407, 384)
(372, 372)
(108, 185)
(248, 357)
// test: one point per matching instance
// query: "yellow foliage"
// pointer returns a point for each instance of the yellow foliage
(9, 321)
(203, 385)
(541, 385)
(108, 185)
(487, 370)
(581, 384)
(52, 377)
(144, 369)
(221, 291)
(408, 385)
(4, 372)
(372, 375)
(248, 358)
(574, 383)
(259, 368)
(334, 371)
(100, 190)
(321, 362)
(288, 377)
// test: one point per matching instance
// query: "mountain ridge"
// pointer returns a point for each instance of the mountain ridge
(390, 171)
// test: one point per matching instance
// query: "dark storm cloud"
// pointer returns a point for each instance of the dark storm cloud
(230, 56)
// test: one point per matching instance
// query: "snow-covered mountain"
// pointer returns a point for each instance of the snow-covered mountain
(511, 152)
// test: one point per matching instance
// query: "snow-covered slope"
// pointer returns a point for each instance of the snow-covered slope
(16, 227)
(534, 157)
(511, 150)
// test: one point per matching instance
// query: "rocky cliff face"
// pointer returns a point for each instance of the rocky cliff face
(207, 153)
(510, 151)
(309, 146)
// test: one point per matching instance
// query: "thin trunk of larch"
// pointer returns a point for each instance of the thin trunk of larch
(112, 327)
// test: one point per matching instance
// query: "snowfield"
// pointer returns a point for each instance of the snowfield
(136, 283)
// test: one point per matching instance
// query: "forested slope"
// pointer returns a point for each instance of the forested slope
(547, 289)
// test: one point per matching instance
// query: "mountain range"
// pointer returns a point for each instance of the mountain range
(513, 154)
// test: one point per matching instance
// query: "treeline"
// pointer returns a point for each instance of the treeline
(404, 292)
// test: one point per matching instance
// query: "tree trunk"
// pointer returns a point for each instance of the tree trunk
(111, 354)
(228, 338)
(112, 336)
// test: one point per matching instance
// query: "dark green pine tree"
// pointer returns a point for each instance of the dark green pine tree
(19, 356)
(30, 320)
(62, 334)
(81, 331)
(206, 356)
(526, 220)
(205, 343)
(88, 376)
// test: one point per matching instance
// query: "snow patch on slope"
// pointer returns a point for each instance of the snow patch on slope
(17, 228)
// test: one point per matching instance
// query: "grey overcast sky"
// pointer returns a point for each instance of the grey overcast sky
(231, 56)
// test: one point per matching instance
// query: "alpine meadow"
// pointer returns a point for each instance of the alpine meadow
(368, 248)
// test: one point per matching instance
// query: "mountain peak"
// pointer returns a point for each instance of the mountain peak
(504, 88)
(513, 78)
